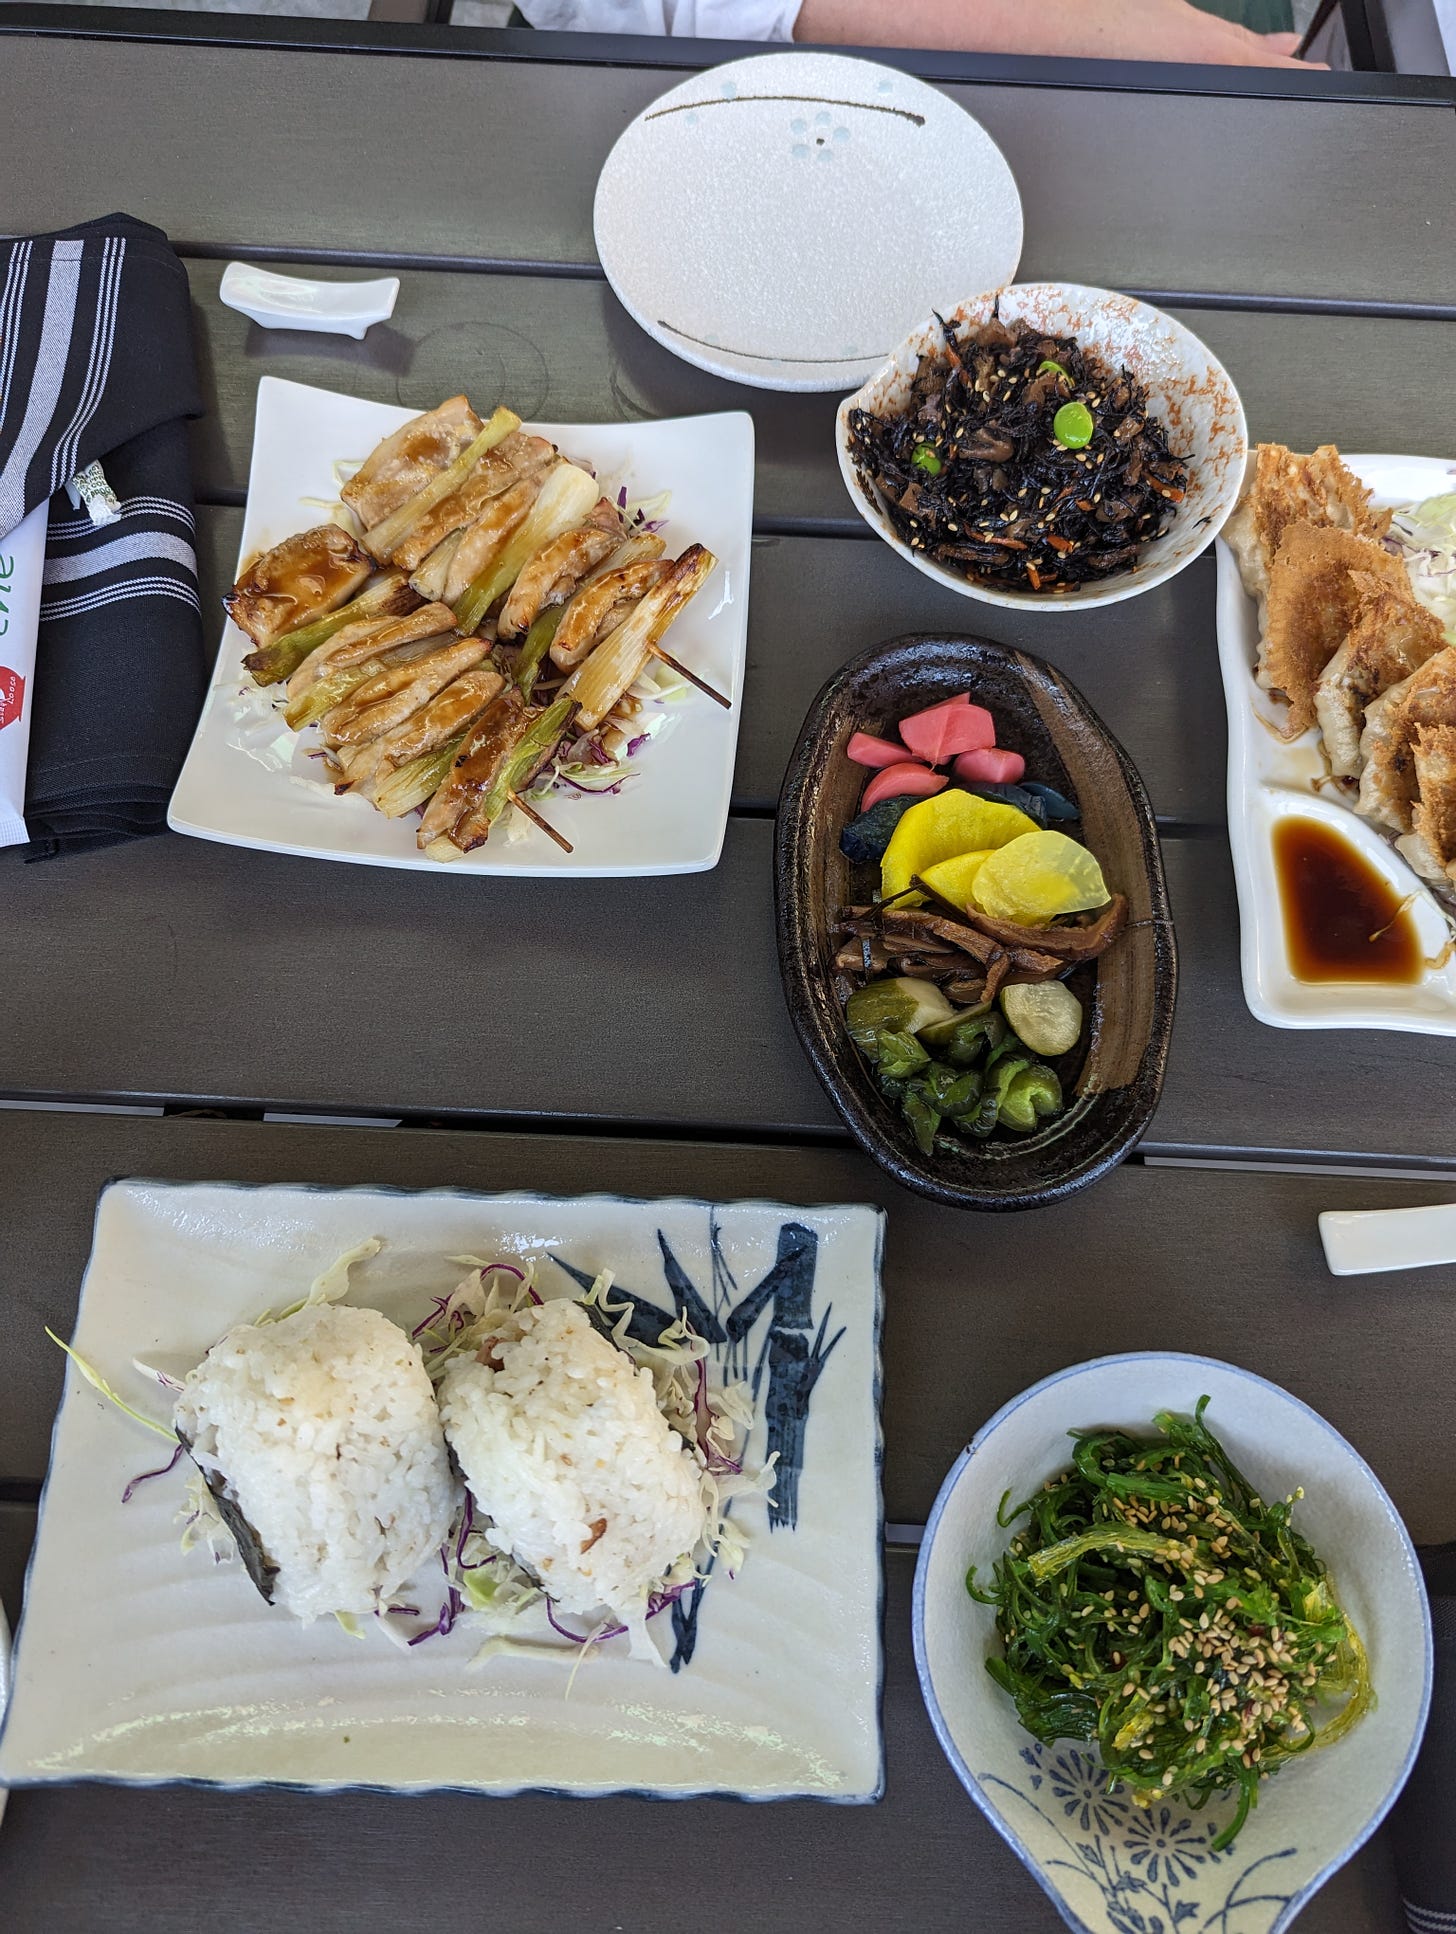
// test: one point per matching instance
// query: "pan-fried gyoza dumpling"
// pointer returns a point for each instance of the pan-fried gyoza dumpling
(1313, 603)
(1392, 636)
(1286, 488)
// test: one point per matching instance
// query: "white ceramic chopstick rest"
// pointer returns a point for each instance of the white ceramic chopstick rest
(296, 302)
(1359, 1242)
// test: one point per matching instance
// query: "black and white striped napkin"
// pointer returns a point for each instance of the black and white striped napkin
(1423, 1823)
(96, 366)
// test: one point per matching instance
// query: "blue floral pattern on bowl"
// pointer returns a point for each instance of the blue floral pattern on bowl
(1111, 1865)
(1154, 1867)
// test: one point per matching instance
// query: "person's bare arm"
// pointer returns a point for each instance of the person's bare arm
(1089, 29)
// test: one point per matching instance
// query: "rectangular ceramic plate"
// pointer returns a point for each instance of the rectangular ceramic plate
(138, 1662)
(249, 781)
(1270, 778)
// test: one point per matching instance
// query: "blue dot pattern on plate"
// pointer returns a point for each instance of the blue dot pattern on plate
(819, 139)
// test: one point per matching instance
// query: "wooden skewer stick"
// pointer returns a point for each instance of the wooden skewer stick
(692, 678)
(536, 820)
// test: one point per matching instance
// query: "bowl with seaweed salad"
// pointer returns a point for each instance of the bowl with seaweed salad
(1172, 1636)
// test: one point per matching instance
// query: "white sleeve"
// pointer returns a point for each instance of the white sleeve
(697, 19)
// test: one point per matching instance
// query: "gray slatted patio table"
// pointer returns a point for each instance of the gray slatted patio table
(1312, 241)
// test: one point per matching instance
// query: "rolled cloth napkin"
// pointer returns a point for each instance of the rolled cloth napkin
(96, 367)
(1423, 1822)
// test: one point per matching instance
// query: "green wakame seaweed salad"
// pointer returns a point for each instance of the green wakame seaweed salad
(1154, 1603)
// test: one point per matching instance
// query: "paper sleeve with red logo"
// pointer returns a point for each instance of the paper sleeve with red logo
(22, 565)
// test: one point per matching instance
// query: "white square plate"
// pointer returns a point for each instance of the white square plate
(138, 1662)
(249, 781)
(1270, 777)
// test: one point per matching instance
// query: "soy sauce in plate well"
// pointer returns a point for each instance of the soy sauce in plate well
(1343, 921)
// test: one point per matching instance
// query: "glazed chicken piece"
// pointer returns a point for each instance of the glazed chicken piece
(489, 744)
(515, 458)
(604, 677)
(551, 576)
(440, 719)
(303, 578)
(481, 541)
(404, 463)
(388, 698)
(357, 642)
(599, 606)
(1392, 636)
(445, 716)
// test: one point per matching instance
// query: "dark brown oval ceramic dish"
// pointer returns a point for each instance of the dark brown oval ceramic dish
(1042, 716)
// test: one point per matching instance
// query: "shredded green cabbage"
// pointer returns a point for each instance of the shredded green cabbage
(1426, 534)
(331, 1286)
(98, 1382)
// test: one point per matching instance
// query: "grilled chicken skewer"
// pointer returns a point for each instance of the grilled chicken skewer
(500, 755)
(352, 644)
(515, 459)
(588, 618)
(552, 575)
(382, 540)
(434, 724)
(396, 469)
(362, 657)
(303, 578)
(391, 696)
(505, 539)
(603, 679)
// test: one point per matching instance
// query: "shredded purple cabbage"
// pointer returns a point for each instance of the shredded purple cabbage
(161, 1471)
(657, 1602)
(445, 1623)
(591, 792)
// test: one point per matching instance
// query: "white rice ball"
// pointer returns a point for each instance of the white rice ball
(583, 1479)
(324, 1430)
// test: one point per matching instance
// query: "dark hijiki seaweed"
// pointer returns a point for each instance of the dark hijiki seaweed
(1007, 503)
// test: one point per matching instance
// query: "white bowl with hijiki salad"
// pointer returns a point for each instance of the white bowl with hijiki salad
(1044, 445)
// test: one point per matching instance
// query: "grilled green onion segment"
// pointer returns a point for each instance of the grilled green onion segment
(1151, 1601)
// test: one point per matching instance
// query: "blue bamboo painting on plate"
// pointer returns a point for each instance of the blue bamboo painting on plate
(766, 1337)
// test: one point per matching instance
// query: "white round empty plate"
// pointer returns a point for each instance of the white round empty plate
(785, 220)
